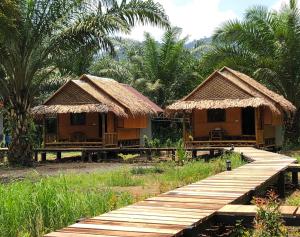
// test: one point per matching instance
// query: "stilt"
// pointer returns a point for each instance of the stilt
(295, 178)
(83, 155)
(104, 155)
(90, 157)
(194, 154)
(58, 156)
(44, 156)
(149, 154)
(281, 185)
(36, 156)
(211, 153)
(99, 157)
(173, 155)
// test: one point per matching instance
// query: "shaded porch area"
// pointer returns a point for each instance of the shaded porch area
(247, 126)
(88, 130)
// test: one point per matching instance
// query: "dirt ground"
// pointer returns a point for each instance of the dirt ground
(58, 168)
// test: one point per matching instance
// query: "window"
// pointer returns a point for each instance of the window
(51, 124)
(78, 119)
(216, 115)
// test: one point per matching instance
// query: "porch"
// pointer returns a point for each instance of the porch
(96, 130)
(232, 126)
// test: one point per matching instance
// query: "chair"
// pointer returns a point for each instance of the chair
(216, 134)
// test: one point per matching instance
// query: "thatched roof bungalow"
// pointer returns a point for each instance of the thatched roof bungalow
(230, 107)
(96, 111)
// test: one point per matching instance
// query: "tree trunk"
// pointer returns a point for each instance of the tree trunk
(20, 152)
(292, 128)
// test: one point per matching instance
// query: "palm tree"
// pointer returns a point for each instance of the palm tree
(164, 71)
(34, 33)
(265, 44)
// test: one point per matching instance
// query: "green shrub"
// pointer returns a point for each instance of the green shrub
(268, 222)
(181, 152)
(146, 170)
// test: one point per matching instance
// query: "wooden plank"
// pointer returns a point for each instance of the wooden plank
(298, 212)
(159, 213)
(63, 234)
(141, 220)
(288, 210)
(178, 220)
(124, 228)
(250, 210)
(190, 200)
(139, 224)
(112, 232)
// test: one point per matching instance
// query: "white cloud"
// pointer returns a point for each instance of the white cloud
(280, 3)
(197, 18)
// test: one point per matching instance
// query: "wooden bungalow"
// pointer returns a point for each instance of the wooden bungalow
(94, 111)
(228, 108)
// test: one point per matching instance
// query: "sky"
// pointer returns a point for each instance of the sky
(199, 18)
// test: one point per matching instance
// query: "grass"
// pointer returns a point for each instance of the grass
(39, 205)
(293, 199)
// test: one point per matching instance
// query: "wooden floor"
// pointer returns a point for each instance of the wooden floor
(170, 213)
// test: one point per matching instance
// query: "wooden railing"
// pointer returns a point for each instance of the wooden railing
(50, 138)
(110, 139)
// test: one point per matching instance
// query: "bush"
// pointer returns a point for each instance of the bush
(268, 222)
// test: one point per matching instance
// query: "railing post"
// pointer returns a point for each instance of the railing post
(295, 178)
(281, 185)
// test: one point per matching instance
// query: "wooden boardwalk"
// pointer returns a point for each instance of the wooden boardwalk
(170, 213)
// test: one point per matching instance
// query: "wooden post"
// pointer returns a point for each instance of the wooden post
(103, 128)
(98, 156)
(173, 154)
(295, 178)
(44, 156)
(44, 131)
(36, 156)
(83, 155)
(281, 185)
(149, 154)
(90, 157)
(183, 129)
(58, 156)
(194, 153)
(104, 155)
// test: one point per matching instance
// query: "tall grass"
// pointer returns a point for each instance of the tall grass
(32, 209)
(39, 205)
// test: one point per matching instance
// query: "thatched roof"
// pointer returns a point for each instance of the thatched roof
(228, 88)
(96, 94)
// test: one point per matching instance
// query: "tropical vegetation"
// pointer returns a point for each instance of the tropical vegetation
(165, 71)
(265, 44)
(36, 35)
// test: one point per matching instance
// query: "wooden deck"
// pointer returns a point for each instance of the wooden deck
(171, 213)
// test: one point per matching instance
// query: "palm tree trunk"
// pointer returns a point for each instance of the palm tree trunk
(292, 129)
(20, 152)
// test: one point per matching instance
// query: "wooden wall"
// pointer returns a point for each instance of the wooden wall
(91, 129)
(129, 131)
(131, 127)
(232, 126)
